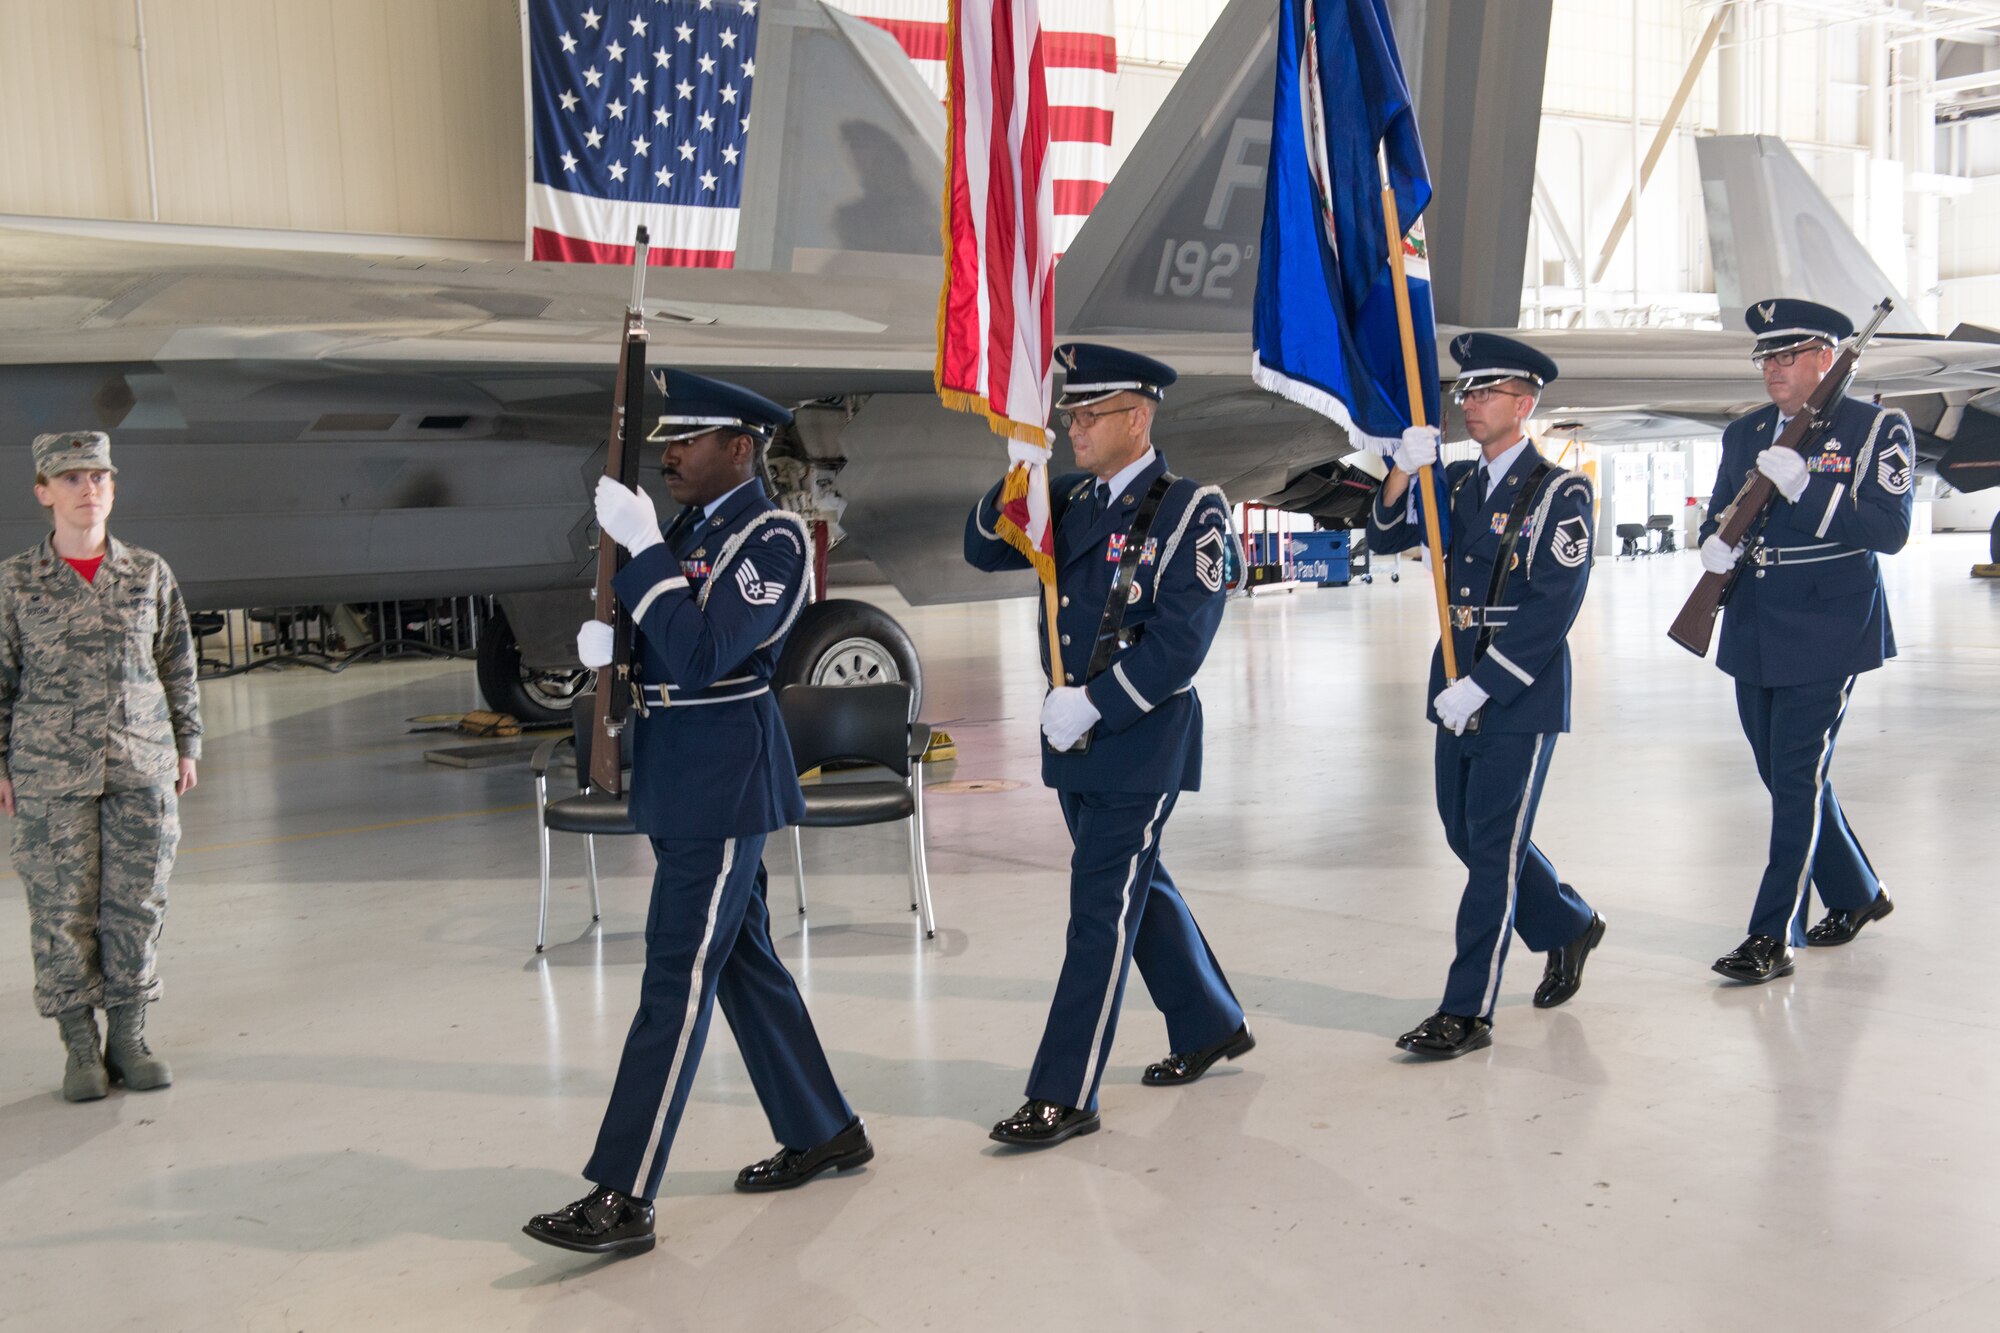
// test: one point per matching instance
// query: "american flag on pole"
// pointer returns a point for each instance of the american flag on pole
(996, 313)
(639, 112)
(1080, 53)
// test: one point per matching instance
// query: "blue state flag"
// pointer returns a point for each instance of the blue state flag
(1326, 331)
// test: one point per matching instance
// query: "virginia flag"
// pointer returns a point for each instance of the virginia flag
(1325, 328)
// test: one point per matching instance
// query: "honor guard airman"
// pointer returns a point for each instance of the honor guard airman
(1517, 565)
(100, 731)
(1805, 617)
(1139, 557)
(712, 599)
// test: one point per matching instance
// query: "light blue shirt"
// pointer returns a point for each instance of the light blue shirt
(708, 510)
(1496, 469)
(1130, 473)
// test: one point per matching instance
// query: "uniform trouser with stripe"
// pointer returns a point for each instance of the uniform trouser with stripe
(1792, 730)
(1124, 908)
(708, 939)
(1488, 786)
(94, 870)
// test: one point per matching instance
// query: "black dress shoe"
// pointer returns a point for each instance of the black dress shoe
(1759, 958)
(1839, 926)
(1564, 973)
(1178, 1068)
(1040, 1124)
(601, 1222)
(789, 1169)
(1443, 1036)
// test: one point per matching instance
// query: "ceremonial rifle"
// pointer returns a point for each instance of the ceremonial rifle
(1694, 627)
(615, 687)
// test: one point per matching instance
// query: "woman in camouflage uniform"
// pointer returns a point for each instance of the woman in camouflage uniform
(99, 734)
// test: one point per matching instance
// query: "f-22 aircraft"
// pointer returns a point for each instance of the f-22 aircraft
(302, 427)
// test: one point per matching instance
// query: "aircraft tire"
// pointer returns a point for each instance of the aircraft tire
(845, 642)
(1993, 542)
(533, 698)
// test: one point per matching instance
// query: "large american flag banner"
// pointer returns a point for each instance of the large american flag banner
(1080, 54)
(996, 313)
(639, 112)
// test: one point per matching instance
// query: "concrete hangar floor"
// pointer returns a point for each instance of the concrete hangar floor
(377, 1080)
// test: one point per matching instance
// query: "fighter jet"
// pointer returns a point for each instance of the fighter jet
(305, 427)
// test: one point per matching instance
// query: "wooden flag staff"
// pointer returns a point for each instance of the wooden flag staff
(1424, 484)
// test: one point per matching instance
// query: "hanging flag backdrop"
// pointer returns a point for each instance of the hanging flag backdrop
(639, 113)
(1080, 52)
(1325, 326)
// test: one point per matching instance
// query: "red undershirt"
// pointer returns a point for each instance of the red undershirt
(86, 568)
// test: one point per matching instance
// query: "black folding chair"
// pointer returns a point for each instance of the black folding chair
(588, 812)
(867, 724)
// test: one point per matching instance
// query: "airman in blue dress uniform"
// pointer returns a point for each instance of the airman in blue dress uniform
(1497, 724)
(1805, 618)
(712, 600)
(1143, 721)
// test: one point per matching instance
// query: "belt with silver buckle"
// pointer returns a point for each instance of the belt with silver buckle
(722, 692)
(1766, 556)
(1475, 617)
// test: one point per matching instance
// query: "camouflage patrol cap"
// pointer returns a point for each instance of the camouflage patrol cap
(71, 450)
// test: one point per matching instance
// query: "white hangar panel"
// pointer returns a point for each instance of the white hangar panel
(329, 115)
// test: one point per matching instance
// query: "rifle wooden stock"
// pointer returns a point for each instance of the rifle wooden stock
(613, 699)
(1694, 628)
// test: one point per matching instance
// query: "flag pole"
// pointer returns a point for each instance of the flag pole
(1049, 602)
(1424, 484)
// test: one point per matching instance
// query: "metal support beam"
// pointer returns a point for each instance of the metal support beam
(1668, 123)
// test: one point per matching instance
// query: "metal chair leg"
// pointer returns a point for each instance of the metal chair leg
(799, 866)
(590, 850)
(542, 827)
(919, 868)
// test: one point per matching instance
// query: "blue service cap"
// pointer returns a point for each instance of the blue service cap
(1488, 358)
(697, 404)
(1786, 322)
(1093, 372)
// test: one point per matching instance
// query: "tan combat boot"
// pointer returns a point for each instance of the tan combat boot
(126, 1054)
(84, 1078)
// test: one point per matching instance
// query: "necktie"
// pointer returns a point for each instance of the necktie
(1485, 483)
(1100, 500)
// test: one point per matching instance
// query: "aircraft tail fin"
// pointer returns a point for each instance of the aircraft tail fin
(1773, 232)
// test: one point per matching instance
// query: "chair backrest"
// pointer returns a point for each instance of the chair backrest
(582, 717)
(1660, 522)
(1631, 531)
(865, 723)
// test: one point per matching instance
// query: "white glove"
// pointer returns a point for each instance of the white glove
(1718, 558)
(627, 515)
(1418, 450)
(593, 644)
(1457, 703)
(1787, 470)
(1066, 714)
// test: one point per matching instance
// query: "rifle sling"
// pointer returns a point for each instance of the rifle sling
(1111, 627)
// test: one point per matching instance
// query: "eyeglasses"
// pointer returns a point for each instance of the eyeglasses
(1089, 419)
(1488, 392)
(1786, 358)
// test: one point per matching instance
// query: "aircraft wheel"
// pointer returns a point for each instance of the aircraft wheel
(1993, 542)
(537, 698)
(845, 642)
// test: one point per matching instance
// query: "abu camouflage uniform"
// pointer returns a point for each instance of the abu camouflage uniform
(97, 706)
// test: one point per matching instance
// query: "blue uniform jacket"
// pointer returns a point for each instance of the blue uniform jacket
(1815, 610)
(712, 615)
(1526, 669)
(1149, 739)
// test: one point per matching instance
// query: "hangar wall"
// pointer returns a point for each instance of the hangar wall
(329, 115)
